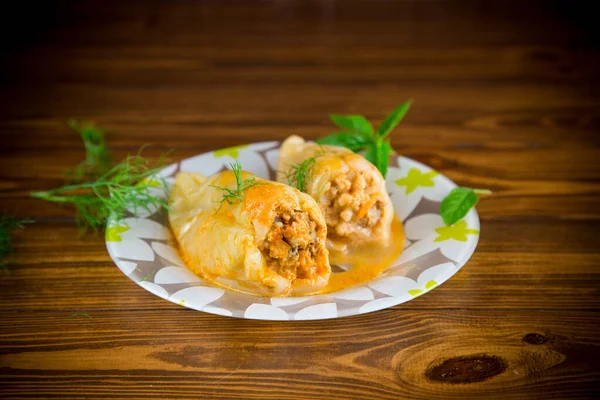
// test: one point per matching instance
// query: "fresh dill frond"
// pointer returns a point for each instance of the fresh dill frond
(126, 186)
(97, 158)
(7, 226)
(300, 174)
(321, 190)
(233, 196)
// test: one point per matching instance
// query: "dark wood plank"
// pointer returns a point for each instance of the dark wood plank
(234, 98)
(278, 64)
(387, 355)
(426, 125)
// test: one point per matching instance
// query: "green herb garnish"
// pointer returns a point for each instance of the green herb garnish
(232, 196)
(358, 135)
(458, 203)
(97, 160)
(81, 315)
(300, 174)
(125, 186)
(7, 226)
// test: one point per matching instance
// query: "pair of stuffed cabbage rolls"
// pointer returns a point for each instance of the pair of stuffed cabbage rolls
(270, 238)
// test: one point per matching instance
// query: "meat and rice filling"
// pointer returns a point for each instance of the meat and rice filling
(352, 205)
(291, 244)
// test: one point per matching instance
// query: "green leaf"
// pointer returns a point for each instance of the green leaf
(358, 134)
(345, 139)
(354, 123)
(393, 119)
(378, 154)
(457, 204)
(383, 159)
(371, 154)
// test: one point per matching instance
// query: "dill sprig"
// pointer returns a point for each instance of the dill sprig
(232, 196)
(7, 225)
(97, 161)
(300, 174)
(126, 186)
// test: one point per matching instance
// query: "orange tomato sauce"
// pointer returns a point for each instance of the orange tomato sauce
(367, 262)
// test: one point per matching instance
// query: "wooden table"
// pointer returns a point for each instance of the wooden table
(504, 98)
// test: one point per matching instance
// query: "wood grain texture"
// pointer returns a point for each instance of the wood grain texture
(191, 355)
(505, 97)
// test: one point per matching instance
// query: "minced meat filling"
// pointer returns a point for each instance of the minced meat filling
(351, 204)
(290, 245)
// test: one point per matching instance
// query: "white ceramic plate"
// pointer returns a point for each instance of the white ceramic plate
(143, 248)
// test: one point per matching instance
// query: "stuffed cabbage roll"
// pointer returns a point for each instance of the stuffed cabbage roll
(348, 188)
(269, 240)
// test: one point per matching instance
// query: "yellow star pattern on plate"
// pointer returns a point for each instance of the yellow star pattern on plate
(416, 178)
(113, 234)
(232, 152)
(428, 286)
(458, 231)
(150, 182)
